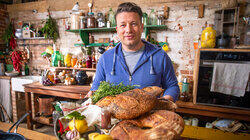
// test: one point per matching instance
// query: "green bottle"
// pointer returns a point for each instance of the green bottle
(111, 17)
(26, 69)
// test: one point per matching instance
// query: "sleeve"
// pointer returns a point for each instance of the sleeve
(169, 80)
(99, 75)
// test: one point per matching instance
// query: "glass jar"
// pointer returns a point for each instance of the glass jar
(100, 20)
(208, 37)
(75, 21)
(90, 20)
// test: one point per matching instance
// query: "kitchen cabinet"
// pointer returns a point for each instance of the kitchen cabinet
(84, 33)
(227, 21)
(5, 96)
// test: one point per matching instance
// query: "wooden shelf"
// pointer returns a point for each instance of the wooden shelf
(71, 68)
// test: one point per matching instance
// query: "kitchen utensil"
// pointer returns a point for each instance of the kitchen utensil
(13, 136)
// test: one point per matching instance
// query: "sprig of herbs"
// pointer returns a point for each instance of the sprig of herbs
(50, 29)
(109, 89)
(8, 33)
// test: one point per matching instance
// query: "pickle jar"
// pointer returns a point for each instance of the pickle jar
(90, 20)
(208, 37)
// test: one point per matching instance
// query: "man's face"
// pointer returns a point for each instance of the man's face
(129, 29)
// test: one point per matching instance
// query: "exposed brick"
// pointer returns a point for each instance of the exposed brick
(184, 71)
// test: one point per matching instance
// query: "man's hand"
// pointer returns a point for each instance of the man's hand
(89, 94)
(168, 97)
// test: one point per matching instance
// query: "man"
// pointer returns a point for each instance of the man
(134, 61)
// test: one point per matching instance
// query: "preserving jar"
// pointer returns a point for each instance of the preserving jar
(90, 20)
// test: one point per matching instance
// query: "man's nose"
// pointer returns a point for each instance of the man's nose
(128, 28)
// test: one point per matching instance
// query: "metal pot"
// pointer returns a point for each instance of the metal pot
(13, 136)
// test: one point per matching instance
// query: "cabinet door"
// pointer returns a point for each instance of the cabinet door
(5, 96)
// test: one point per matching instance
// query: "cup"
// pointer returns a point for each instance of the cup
(195, 122)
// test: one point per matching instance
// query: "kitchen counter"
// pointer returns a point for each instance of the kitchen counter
(5, 77)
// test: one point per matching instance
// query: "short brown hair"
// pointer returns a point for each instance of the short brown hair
(129, 7)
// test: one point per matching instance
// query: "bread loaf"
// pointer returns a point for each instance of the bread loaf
(160, 124)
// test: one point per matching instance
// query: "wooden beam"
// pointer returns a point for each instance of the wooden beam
(201, 10)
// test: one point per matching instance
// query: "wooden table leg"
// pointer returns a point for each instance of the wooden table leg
(28, 109)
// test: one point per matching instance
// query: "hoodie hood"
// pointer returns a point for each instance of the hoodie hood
(148, 53)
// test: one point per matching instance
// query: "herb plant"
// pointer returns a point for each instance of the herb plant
(50, 29)
(109, 89)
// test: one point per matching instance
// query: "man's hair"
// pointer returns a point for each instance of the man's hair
(129, 7)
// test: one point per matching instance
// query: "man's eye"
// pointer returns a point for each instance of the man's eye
(134, 24)
(122, 25)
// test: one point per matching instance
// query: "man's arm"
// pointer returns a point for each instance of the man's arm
(99, 76)
(169, 81)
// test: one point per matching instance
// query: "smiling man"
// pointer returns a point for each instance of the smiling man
(135, 61)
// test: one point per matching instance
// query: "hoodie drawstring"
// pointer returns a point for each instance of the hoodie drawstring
(113, 67)
(152, 71)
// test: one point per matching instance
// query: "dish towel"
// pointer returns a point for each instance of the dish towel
(230, 78)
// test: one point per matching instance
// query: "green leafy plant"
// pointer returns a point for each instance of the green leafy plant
(109, 89)
(75, 114)
(50, 29)
(8, 33)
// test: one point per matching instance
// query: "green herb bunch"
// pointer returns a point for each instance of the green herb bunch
(109, 89)
(8, 33)
(50, 29)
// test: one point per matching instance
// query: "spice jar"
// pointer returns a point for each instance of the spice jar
(90, 20)
(100, 20)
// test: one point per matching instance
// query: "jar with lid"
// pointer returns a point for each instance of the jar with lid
(101, 20)
(90, 20)
(75, 20)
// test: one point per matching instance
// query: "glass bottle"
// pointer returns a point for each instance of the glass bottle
(153, 17)
(145, 19)
(91, 20)
(26, 69)
(100, 20)
(55, 58)
(111, 17)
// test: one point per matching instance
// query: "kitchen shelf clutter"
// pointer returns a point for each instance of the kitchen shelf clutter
(84, 33)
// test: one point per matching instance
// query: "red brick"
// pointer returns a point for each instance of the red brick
(184, 72)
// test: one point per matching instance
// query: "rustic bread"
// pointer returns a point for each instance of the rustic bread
(160, 124)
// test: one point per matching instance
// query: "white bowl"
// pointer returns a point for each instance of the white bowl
(11, 74)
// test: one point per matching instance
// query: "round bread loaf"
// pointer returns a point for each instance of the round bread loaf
(160, 124)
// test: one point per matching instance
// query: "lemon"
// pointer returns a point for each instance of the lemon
(81, 125)
(103, 137)
(92, 135)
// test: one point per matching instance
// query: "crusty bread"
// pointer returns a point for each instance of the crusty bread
(160, 124)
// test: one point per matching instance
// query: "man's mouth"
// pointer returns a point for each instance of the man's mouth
(129, 36)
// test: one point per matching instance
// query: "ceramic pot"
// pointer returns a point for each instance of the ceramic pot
(81, 77)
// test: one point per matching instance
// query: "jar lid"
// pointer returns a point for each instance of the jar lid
(90, 13)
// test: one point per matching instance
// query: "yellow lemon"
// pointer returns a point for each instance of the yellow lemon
(92, 135)
(81, 125)
(103, 137)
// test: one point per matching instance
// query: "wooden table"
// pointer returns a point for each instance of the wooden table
(213, 111)
(71, 92)
(28, 134)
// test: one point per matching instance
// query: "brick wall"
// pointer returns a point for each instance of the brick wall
(4, 19)
(183, 25)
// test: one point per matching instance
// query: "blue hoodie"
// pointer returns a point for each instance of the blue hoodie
(154, 68)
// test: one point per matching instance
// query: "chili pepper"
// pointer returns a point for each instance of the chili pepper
(66, 129)
(61, 127)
